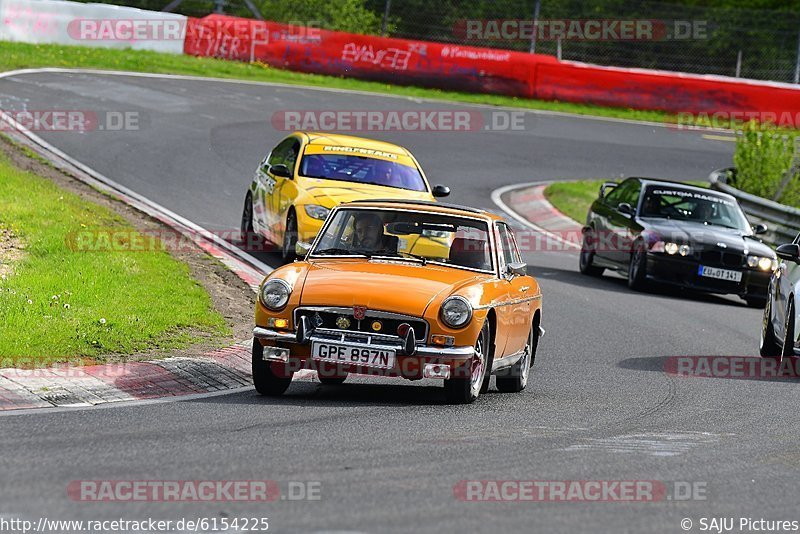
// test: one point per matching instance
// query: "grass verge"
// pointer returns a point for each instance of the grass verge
(22, 55)
(57, 303)
(573, 199)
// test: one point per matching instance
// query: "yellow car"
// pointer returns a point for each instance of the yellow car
(307, 174)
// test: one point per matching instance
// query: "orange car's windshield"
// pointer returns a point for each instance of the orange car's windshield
(362, 170)
(405, 234)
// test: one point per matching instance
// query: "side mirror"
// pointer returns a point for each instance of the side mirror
(789, 251)
(280, 170)
(760, 228)
(517, 268)
(606, 187)
(440, 190)
(626, 209)
(301, 248)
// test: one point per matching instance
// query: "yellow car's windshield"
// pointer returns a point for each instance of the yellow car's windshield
(362, 170)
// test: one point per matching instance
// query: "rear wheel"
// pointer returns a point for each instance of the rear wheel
(586, 259)
(465, 389)
(289, 238)
(637, 269)
(788, 331)
(768, 348)
(270, 379)
(517, 377)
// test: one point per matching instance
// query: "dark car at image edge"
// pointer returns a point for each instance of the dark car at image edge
(678, 234)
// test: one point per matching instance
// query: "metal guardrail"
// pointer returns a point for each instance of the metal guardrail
(783, 221)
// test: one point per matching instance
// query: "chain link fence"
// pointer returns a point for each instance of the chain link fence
(748, 43)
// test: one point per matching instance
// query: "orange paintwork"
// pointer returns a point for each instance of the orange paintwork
(418, 290)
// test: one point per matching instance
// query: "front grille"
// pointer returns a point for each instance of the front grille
(320, 317)
(717, 258)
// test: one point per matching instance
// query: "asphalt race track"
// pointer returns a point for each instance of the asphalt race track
(388, 453)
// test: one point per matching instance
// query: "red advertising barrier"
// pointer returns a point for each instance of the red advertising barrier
(659, 90)
(319, 51)
(474, 69)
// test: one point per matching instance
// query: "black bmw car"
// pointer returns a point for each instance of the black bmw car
(673, 233)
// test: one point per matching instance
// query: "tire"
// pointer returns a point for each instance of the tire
(329, 375)
(265, 379)
(518, 375)
(637, 268)
(787, 350)
(756, 302)
(768, 347)
(332, 380)
(464, 390)
(586, 258)
(288, 252)
(250, 241)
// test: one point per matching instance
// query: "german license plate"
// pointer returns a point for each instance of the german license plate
(367, 357)
(720, 274)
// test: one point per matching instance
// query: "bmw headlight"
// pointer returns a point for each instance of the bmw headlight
(671, 248)
(456, 311)
(762, 262)
(316, 211)
(275, 294)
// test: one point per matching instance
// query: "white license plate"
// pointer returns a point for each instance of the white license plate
(347, 354)
(720, 274)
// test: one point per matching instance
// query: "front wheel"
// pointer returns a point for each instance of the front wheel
(270, 379)
(756, 302)
(288, 251)
(586, 258)
(788, 331)
(517, 377)
(465, 389)
(768, 348)
(637, 269)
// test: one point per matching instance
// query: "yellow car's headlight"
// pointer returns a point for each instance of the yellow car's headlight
(315, 211)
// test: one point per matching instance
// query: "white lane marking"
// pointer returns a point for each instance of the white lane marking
(650, 443)
(416, 99)
(497, 199)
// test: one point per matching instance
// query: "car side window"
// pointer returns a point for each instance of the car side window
(282, 152)
(507, 249)
(291, 155)
(632, 193)
(614, 197)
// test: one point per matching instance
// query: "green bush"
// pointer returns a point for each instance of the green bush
(763, 157)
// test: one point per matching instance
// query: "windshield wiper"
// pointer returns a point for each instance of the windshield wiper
(398, 253)
(333, 251)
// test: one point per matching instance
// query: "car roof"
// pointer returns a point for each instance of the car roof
(330, 139)
(438, 207)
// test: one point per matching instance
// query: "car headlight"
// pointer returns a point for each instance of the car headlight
(456, 311)
(671, 248)
(275, 294)
(762, 262)
(316, 211)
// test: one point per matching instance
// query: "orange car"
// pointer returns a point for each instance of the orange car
(363, 302)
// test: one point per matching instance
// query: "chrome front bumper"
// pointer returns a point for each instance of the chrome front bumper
(424, 351)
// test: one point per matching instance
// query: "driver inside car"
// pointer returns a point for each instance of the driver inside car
(368, 235)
